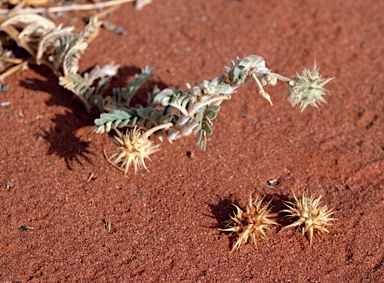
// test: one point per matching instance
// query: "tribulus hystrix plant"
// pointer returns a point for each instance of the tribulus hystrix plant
(194, 110)
(167, 114)
(309, 216)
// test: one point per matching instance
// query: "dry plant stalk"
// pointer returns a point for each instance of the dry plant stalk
(251, 223)
(20, 9)
(27, 2)
(309, 215)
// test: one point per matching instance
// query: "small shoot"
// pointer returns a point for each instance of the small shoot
(251, 223)
(309, 215)
(262, 92)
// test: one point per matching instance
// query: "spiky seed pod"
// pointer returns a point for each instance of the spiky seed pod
(133, 148)
(310, 216)
(251, 223)
(307, 89)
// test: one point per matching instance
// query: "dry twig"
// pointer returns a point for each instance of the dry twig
(67, 8)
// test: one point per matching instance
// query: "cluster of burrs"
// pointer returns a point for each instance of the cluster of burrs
(250, 224)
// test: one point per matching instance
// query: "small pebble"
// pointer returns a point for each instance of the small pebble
(10, 185)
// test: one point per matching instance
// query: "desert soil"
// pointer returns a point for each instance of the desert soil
(164, 223)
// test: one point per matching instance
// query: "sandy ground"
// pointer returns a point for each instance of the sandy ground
(164, 223)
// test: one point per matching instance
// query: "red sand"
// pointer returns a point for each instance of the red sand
(164, 222)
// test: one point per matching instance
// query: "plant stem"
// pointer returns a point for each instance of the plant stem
(280, 77)
(13, 69)
(154, 129)
(261, 89)
(11, 60)
(14, 34)
(72, 7)
(198, 106)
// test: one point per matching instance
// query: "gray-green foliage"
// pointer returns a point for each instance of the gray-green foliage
(194, 110)
(90, 87)
(204, 118)
(145, 117)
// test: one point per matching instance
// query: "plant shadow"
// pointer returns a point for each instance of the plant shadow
(61, 136)
(222, 210)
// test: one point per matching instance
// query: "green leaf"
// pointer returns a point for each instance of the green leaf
(202, 142)
(206, 127)
(211, 112)
(145, 117)
(204, 118)
(126, 94)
